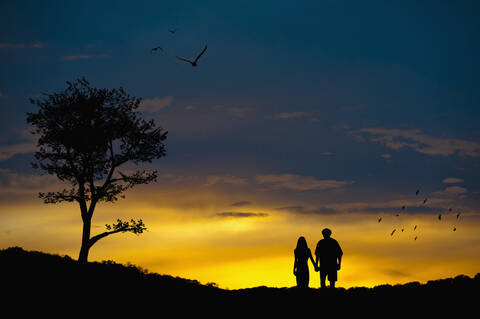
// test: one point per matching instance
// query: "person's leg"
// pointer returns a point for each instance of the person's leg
(323, 277)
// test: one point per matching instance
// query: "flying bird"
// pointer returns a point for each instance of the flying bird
(439, 216)
(454, 228)
(458, 215)
(393, 232)
(172, 31)
(397, 215)
(194, 62)
(380, 219)
(156, 49)
(425, 200)
(415, 227)
(418, 191)
(415, 238)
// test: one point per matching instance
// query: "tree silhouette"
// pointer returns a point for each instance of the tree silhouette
(84, 135)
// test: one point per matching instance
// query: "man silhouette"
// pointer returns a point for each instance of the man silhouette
(328, 252)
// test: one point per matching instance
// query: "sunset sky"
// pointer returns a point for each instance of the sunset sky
(300, 115)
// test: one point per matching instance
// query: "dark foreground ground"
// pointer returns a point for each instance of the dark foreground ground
(57, 285)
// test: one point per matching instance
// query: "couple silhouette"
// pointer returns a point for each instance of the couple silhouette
(328, 257)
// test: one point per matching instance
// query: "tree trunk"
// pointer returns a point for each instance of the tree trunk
(83, 257)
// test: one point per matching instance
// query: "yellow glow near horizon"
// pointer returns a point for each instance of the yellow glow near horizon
(193, 242)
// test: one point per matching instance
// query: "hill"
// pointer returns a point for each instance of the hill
(32, 277)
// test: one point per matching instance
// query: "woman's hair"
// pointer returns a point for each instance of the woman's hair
(301, 244)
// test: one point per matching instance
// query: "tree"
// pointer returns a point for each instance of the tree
(84, 135)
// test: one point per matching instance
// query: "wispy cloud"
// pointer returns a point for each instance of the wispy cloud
(301, 210)
(452, 180)
(225, 179)
(12, 181)
(155, 104)
(241, 203)
(452, 191)
(8, 151)
(240, 214)
(291, 115)
(83, 56)
(299, 183)
(399, 138)
(33, 45)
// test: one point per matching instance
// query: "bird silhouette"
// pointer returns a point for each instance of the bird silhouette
(439, 216)
(425, 200)
(415, 238)
(403, 207)
(194, 62)
(397, 214)
(172, 31)
(458, 215)
(380, 219)
(418, 191)
(414, 227)
(156, 49)
(402, 230)
(454, 228)
(393, 232)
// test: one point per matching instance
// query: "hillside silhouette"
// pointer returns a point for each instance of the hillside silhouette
(36, 278)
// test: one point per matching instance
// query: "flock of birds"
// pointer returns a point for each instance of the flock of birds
(402, 229)
(193, 62)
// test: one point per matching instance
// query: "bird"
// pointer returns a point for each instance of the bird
(397, 215)
(418, 191)
(458, 215)
(415, 238)
(380, 219)
(402, 230)
(414, 227)
(403, 207)
(393, 232)
(156, 48)
(425, 200)
(194, 62)
(172, 31)
(439, 216)
(450, 209)
(454, 228)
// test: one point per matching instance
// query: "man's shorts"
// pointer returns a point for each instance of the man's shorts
(331, 274)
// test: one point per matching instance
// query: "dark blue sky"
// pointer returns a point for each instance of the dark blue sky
(284, 87)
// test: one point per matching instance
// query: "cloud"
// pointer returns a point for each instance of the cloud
(33, 45)
(291, 115)
(240, 214)
(20, 182)
(225, 179)
(452, 180)
(398, 138)
(452, 191)
(155, 104)
(83, 56)
(8, 151)
(241, 203)
(298, 182)
(301, 210)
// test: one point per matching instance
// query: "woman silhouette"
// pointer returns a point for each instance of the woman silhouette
(300, 267)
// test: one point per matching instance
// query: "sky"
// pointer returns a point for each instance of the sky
(299, 116)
